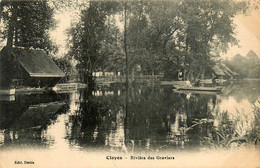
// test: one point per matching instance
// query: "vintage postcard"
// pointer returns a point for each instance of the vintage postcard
(129, 84)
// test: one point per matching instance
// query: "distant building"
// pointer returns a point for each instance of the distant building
(218, 72)
(221, 71)
(28, 67)
(229, 73)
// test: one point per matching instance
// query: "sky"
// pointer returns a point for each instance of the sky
(58, 35)
(248, 34)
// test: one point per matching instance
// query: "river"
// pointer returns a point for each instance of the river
(148, 119)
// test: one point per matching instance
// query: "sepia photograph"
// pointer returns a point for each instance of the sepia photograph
(130, 83)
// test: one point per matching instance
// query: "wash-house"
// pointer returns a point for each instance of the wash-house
(221, 71)
(28, 68)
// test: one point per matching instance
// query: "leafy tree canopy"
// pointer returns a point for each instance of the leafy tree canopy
(29, 23)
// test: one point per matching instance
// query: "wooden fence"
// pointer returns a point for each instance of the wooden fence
(121, 79)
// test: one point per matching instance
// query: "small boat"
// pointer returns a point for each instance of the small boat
(187, 86)
(66, 87)
(196, 92)
(175, 83)
(7, 91)
(204, 89)
(30, 90)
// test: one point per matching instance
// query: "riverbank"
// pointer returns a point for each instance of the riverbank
(62, 87)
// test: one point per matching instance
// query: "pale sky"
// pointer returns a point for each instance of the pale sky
(59, 34)
(248, 34)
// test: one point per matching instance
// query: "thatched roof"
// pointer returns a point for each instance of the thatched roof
(37, 63)
(228, 71)
(216, 69)
(222, 70)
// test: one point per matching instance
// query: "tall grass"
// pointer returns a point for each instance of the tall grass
(229, 130)
(255, 133)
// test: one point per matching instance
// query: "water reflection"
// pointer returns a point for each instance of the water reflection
(154, 119)
(24, 121)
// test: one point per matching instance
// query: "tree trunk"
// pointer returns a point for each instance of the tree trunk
(9, 60)
(11, 27)
(10, 35)
(133, 74)
(189, 76)
(202, 76)
(125, 48)
(16, 37)
(9, 43)
(127, 85)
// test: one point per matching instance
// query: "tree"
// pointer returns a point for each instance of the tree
(173, 35)
(166, 36)
(87, 37)
(65, 65)
(161, 36)
(210, 29)
(27, 24)
(247, 66)
(112, 47)
(153, 28)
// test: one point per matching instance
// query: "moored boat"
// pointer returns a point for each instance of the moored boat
(7, 91)
(187, 86)
(204, 89)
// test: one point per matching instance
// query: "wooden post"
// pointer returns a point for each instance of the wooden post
(125, 48)
(9, 45)
(127, 80)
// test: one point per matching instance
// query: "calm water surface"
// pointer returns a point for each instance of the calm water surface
(149, 118)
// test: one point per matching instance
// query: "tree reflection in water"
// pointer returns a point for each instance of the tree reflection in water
(149, 118)
(25, 120)
(157, 120)
(96, 116)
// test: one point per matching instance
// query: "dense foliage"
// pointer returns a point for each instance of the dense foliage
(87, 38)
(248, 66)
(28, 24)
(161, 37)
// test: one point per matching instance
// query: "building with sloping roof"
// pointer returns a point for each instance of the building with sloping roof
(231, 74)
(28, 67)
(218, 71)
(221, 71)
